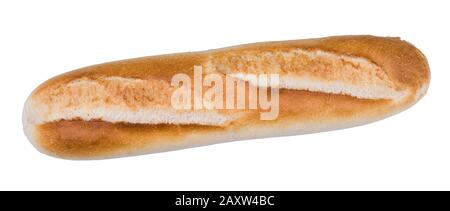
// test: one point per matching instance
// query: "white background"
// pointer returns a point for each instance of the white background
(409, 151)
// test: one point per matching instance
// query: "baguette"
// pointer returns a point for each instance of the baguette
(126, 107)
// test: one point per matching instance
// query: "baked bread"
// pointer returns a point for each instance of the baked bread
(124, 107)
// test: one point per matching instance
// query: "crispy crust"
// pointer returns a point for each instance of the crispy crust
(403, 63)
(403, 67)
(300, 109)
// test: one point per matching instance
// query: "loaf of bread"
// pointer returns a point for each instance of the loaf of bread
(127, 107)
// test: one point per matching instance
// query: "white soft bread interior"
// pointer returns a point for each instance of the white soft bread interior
(123, 108)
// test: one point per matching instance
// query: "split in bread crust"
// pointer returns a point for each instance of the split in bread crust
(123, 108)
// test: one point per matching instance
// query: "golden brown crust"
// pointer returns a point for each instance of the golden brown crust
(93, 139)
(394, 64)
(401, 61)
(161, 67)
(77, 139)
